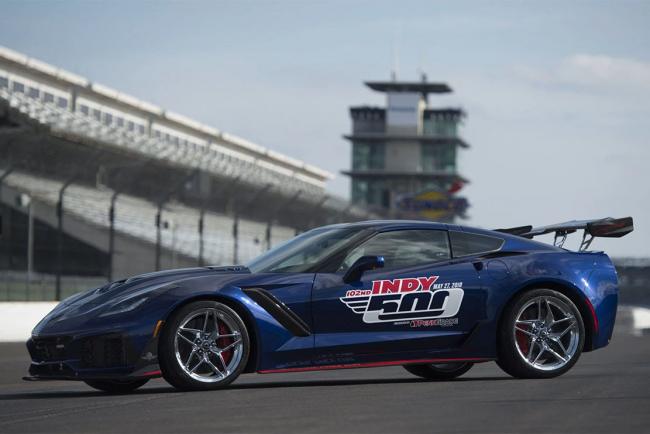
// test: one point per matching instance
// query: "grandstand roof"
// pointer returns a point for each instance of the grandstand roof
(408, 86)
(267, 158)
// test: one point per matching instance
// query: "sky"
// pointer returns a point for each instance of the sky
(556, 93)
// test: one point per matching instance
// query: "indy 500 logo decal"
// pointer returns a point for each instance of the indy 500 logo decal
(417, 298)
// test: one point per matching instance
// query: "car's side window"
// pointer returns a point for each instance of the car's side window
(466, 244)
(403, 248)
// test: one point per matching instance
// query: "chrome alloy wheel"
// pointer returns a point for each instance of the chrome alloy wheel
(546, 333)
(208, 345)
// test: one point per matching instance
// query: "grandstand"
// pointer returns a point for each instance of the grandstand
(96, 184)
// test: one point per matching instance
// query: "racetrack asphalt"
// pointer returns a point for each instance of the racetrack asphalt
(608, 391)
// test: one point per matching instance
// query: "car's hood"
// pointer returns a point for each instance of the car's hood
(144, 283)
(94, 303)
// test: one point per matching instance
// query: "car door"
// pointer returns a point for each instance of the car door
(420, 304)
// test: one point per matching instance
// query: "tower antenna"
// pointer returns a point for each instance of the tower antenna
(396, 46)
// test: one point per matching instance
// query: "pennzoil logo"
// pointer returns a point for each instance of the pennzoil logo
(416, 298)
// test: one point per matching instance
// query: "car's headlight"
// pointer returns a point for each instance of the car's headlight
(125, 306)
(135, 299)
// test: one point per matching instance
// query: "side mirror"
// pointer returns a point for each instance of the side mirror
(361, 265)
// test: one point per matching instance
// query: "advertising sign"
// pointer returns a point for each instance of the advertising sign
(433, 204)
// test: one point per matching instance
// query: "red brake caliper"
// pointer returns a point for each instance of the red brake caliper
(523, 340)
(224, 342)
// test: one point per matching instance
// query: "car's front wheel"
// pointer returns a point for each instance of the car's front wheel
(204, 345)
(439, 371)
(541, 335)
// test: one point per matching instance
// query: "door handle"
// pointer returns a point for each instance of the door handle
(478, 265)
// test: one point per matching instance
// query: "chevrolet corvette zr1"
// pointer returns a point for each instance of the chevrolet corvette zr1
(435, 298)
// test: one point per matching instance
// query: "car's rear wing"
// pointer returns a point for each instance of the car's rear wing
(607, 228)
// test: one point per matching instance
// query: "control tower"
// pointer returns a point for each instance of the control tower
(404, 156)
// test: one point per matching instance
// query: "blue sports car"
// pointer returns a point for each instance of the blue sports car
(433, 297)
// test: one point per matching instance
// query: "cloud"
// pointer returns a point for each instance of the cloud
(592, 72)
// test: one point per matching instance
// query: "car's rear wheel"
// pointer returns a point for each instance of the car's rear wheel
(116, 386)
(439, 371)
(204, 345)
(541, 335)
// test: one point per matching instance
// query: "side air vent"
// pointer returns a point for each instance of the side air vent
(278, 310)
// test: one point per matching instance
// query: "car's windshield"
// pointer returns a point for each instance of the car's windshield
(302, 252)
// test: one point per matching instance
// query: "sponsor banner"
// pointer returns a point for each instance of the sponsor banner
(401, 301)
(433, 204)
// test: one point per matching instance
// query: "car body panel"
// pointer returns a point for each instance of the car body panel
(340, 330)
(337, 336)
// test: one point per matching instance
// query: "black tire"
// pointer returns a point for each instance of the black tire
(170, 366)
(510, 354)
(439, 371)
(116, 386)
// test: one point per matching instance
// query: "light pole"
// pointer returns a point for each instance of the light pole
(60, 214)
(201, 226)
(174, 253)
(161, 202)
(25, 201)
(314, 211)
(7, 240)
(119, 188)
(237, 211)
(271, 218)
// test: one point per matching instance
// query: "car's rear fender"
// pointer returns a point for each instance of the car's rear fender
(588, 279)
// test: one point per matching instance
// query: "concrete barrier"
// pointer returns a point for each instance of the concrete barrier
(18, 318)
(641, 318)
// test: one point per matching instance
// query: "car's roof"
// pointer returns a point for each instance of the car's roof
(389, 224)
(512, 241)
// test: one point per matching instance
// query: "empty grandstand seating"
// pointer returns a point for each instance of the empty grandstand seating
(198, 153)
(57, 126)
(136, 217)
